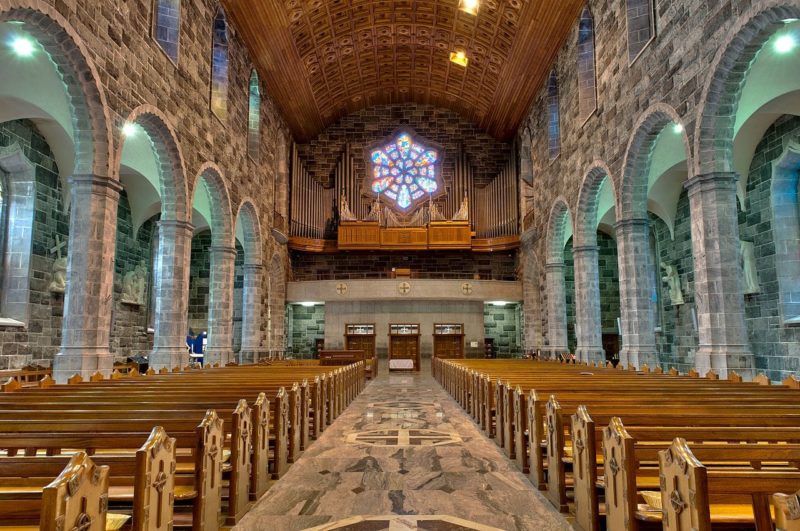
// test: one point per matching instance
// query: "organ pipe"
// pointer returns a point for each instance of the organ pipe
(497, 204)
(311, 202)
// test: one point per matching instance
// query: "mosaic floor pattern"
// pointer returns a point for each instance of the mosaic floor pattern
(403, 451)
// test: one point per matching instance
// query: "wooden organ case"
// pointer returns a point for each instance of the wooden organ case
(362, 337)
(404, 351)
(448, 341)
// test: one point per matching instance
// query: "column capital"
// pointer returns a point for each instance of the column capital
(578, 249)
(554, 267)
(257, 267)
(706, 181)
(92, 181)
(175, 224)
(223, 249)
(632, 222)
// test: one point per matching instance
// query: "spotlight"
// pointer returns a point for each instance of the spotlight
(677, 129)
(459, 58)
(785, 44)
(129, 129)
(469, 6)
(23, 46)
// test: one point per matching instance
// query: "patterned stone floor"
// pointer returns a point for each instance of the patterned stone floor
(403, 451)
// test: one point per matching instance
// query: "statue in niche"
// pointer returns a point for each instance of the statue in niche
(673, 283)
(748, 262)
(58, 284)
(133, 285)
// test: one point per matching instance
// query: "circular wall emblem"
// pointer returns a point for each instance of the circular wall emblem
(466, 288)
(341, 288)
(404, 288)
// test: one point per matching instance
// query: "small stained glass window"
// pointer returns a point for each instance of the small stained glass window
(405, 171)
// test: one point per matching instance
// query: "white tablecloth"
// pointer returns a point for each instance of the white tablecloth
(401, 364)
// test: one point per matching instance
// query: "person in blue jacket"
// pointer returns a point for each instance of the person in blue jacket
(197, 347)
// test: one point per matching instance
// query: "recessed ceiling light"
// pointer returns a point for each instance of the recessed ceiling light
(677, 128)
(129, 129)
(459, 58)
(469, 6)
(23, 46)
(789, 20)
(785, 43)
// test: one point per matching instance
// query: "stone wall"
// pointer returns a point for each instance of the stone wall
(775, 345)
(306, 324)
(503, 325)
(569, 285)
(199, 281)
(447, 264)
(677, 340)
(487, 156)
(608, 269)
(40, 340)
(130, 323)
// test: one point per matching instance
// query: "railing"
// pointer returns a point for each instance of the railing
(383, 275)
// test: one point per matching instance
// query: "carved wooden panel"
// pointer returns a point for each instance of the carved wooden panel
(449, 235)
(412, 238)
(359, 235)
(324, 59)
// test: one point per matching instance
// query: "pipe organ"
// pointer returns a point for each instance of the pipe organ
(497, 205)
(312, 203)
(481, 219)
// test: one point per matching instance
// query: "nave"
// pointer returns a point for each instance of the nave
(403, 448)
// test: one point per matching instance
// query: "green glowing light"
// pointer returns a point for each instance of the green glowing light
(22, 46)
(129, 129)
(785, 43)
(677, 129)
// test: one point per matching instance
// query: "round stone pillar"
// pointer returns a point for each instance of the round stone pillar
(89, 291)
(636, 293)
(220, 305)
(172, 295)
(251, 349)
(588, 323)
(722, 334)
(556, 310)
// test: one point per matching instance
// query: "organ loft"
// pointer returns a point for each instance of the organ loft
(400, 264)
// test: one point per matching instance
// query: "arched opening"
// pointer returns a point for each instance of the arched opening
(213, 258)
(655, 210)
(597, 270)
(152, 243)
(558, 273)
(55, 144)
(248, 296)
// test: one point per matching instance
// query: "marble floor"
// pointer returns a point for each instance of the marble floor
(403, 456)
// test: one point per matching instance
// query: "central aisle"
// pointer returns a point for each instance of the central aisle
(404, 447)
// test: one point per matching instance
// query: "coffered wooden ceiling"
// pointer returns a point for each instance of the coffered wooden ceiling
(322, 59)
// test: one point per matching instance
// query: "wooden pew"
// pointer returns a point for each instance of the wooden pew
(76, 499)
(690, 491)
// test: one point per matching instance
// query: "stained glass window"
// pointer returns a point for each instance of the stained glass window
(405, 171)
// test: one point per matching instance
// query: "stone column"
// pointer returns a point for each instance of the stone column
(172, 295)
(556, 310)
(722, 333)
(251, 350)
(588, 324)
(636, 293)
(220, 305)
(90, 278)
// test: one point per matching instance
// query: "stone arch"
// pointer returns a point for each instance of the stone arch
(588, 196)
(91, 122)
(716, 114)
(556, 229)
(632, 201)
(247, 215)
(174, 186)
(211, 176)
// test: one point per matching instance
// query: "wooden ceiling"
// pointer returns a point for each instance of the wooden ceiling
(322, 59)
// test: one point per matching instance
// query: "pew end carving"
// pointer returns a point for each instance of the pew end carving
(77, 498)
(155, 482)
(684, 489)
